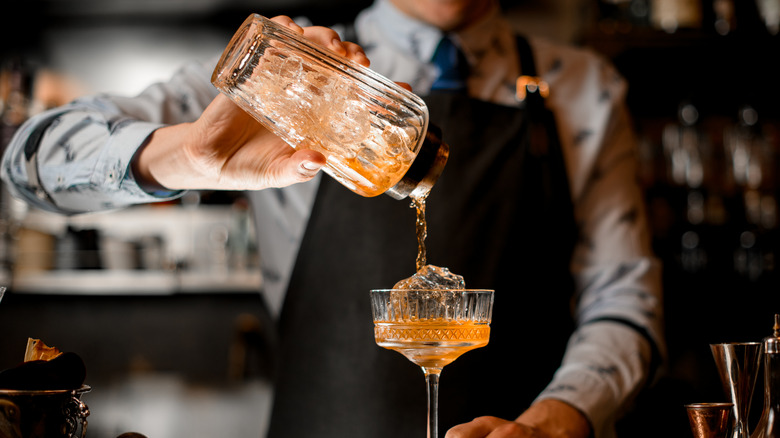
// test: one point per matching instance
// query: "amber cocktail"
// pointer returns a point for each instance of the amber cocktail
(432, 328)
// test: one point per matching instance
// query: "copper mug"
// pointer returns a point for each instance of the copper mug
(43, 413)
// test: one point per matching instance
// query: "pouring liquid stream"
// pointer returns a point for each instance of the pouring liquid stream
(421, 227)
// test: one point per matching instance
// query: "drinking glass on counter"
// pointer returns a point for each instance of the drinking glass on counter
(432, 328)
(710, 420)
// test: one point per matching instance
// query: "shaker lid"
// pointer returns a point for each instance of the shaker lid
(425, 169)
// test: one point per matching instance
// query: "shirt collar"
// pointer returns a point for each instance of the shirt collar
(400, 47)
(410, 35)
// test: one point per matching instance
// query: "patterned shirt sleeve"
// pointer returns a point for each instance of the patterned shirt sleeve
(76, 158)
(618, 344)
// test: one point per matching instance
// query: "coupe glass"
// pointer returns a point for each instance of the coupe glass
(432, 328)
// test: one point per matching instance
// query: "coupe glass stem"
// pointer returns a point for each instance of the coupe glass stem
(432, 379)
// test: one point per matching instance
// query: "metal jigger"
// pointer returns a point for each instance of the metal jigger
(738, 365)
(710, 420)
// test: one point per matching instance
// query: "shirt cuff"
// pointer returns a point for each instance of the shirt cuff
(114, 170)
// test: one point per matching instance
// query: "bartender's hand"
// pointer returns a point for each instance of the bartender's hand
(544, 419)
(226, 148)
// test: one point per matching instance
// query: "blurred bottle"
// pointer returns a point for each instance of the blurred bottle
(745, 150)
(750, 163)
(724, 20)
(745, 17)
(16, 97)
(685, 148)
(769, 11)
(691, 171)
(694, 255)
(621, 16)
(16, 90)
(672, 15)
(754, 257)
(769, 424)
(242, 247)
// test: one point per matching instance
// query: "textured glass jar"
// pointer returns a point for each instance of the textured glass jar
(373, 132)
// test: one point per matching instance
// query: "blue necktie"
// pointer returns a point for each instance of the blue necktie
(452, 66)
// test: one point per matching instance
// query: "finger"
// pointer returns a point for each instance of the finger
(288, 22)
(405, 86)
(511, 429)
(476, 428)
(356, 53)
(304, 165)
(326, 37)
(490, 427)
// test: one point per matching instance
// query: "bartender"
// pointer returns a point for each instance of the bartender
(538, 201)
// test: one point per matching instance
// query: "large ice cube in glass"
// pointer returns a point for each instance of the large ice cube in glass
(432, 277)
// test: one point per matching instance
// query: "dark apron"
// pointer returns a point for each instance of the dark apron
(500, 215)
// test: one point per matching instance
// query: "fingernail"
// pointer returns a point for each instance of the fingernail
(338, 44)
(310, 165)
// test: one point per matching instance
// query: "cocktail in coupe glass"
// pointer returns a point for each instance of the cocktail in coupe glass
(432, 328)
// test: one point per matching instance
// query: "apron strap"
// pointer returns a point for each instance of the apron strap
(533, 91)
(527, 64)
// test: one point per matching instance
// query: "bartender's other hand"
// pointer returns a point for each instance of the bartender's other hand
(544, 419)
(327, 38)
(226, 149)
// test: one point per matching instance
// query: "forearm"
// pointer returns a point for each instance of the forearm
(76, 159)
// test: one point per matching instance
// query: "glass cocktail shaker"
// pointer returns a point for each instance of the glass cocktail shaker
(374, 133)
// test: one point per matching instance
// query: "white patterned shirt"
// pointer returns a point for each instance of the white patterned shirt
(76, 159)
